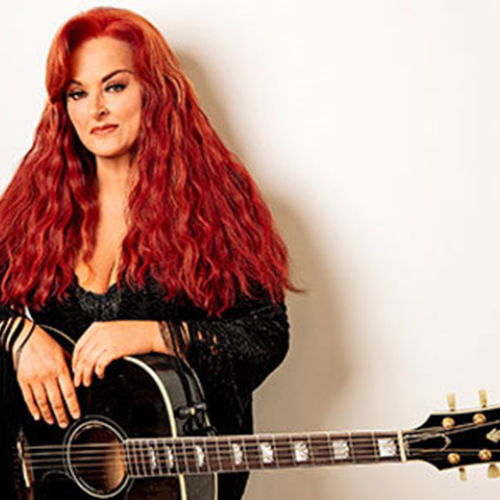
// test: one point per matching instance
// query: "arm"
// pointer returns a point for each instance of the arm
(106, 341)
(246, 345)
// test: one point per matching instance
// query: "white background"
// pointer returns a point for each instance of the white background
(372, 129)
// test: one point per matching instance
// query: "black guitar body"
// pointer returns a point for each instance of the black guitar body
(140, 397)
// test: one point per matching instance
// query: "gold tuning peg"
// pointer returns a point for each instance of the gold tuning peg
(483, 398)
(493, 471)
(463, 473)
(452, 402)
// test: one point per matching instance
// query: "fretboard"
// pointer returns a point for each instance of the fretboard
(198, 455)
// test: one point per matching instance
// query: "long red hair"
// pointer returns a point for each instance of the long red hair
(197, 223)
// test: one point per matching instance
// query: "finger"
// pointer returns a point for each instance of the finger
(82, 343)
(42, 402)
(84, 357)
(77, 351)
(69, 394)
(30, 401)
(103, 361)
(57, 403)
(88, 369)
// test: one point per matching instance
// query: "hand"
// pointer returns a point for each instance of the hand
(45, 379)
(103, 342)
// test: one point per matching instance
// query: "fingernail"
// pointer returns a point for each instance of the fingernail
(36, 417)
(75, 415)
(63, 425)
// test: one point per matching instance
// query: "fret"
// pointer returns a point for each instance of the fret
(322, 454)
(211, 453)
(351, 448)
(284, 453)
(311, 448)
(375, 443)
(276, 451)
(230, 453)
(225, 455)
(161, 470)
(185, 456)
(363, 450)
(138, 457)
(143, 471)
(217, 452)
(178, 456)
(134, 464)
(252, 452)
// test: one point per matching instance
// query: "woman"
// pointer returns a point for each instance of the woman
(129, 226)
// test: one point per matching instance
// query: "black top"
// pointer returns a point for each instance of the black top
(232, 354)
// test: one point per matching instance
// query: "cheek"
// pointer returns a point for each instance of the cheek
(77, 118)
(134, 114)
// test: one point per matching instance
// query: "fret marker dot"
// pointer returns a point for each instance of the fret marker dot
(200, 456)
(387, 447)
(267, 453)
(301, 451)
(238, 454)
(340, 449)
(170, 457)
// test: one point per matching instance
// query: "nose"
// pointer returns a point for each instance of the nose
(98, 107)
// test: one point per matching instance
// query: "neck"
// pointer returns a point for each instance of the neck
(157, 457)
(114, 175)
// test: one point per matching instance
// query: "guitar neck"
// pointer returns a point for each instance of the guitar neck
(198, 455)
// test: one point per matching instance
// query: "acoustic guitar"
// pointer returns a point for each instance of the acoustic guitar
(144, 434)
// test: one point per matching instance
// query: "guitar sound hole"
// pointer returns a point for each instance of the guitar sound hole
(96, 458)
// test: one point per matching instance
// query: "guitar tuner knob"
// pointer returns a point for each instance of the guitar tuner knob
(463, 473)
(483, 398)
(452, 401)
(493, 471)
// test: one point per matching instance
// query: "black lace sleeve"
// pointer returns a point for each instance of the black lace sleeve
(234, 354)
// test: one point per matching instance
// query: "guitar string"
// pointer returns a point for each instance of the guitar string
(206, 442)
(411, 437)
(93, 448)
(254, 437)
(189, 458)
(186, 449)
(220, 444)
(187, 467)
(277, 442)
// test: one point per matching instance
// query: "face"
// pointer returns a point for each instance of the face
(104, 97)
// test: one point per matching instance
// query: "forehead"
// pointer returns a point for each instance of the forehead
(98, 57)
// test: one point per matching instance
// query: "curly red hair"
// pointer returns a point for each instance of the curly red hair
(197, 223)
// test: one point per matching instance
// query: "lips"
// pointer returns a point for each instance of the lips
(105, 129)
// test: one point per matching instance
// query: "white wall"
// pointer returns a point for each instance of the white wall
(372, 129)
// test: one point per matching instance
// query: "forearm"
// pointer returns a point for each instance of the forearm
(157, 336)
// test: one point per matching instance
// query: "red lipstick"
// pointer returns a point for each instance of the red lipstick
(103, 129)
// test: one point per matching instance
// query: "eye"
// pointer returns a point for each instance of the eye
(76, 95)
(116, 87)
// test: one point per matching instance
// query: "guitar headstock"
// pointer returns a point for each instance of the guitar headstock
(458, 438)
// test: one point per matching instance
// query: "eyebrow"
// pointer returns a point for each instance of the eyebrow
(107, 77)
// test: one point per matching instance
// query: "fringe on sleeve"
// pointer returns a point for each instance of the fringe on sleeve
(10, 399)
